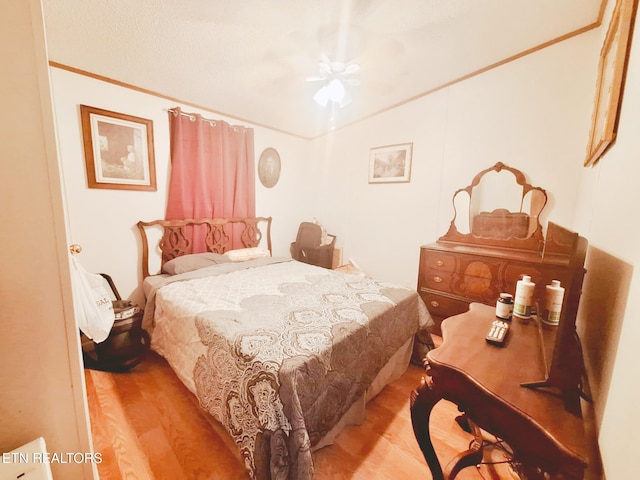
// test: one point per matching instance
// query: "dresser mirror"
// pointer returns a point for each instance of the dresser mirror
(498, 208)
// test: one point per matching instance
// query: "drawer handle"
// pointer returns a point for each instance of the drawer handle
(439, 263)
(435, 304)
(437, 279)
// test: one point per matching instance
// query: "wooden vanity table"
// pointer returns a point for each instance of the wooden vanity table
(484, 381)
(494, 239)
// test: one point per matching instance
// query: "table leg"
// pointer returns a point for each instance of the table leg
(423, 400)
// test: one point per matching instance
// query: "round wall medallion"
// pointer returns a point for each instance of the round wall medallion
(269, 167)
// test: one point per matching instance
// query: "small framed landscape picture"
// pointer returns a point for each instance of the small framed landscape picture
(118, 150)
(390, 164)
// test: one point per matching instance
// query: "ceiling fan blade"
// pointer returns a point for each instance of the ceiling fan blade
(325, 68)
(352, 68)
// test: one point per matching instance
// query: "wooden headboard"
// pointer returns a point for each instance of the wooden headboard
(217, 234)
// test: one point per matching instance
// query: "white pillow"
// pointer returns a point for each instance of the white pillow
(244, 254)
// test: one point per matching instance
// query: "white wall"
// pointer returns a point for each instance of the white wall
(41, 376)
(531, 114)
(103, 221)
(605, 214)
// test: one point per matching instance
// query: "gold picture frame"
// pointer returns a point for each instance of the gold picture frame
(391, 163)
(118, 150)
(610, 84)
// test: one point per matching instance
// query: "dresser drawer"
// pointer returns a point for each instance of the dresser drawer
(438, 260)
(443, 306)
(477, 278)
(514, 272)
(436, 280)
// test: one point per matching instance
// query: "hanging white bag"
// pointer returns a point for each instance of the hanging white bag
(91, 302)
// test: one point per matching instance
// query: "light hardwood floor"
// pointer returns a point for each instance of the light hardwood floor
(147, 425)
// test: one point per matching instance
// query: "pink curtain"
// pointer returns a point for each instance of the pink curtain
(212, 171)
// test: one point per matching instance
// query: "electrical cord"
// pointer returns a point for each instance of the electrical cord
(499, 444)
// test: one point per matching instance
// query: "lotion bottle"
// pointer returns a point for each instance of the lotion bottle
(524, 297)
(553, 305)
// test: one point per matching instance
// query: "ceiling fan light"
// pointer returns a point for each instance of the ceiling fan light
(322, 96)
(336, 76)
(334, 91)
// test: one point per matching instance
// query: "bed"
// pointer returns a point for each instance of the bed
(280, 353)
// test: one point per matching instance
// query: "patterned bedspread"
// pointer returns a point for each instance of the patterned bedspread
(277, 350)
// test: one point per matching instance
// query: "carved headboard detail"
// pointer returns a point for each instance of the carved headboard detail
(211, 234)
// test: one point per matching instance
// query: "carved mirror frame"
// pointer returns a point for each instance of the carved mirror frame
(533, 240)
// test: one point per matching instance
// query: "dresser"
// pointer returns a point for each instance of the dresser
(495, 238)
(453, 275)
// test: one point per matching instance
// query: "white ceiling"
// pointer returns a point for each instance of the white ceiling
(248, 59)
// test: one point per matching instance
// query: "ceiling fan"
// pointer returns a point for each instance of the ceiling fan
(334, 75)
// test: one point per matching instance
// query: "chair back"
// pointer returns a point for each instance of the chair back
(309, 246)
(309, 235)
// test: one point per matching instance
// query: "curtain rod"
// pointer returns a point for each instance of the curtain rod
(193, 116)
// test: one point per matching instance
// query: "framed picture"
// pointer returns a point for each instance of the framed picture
(118, 150)
(390, 164)
(610, 84)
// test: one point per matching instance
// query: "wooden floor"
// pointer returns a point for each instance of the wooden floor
(147, 425)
